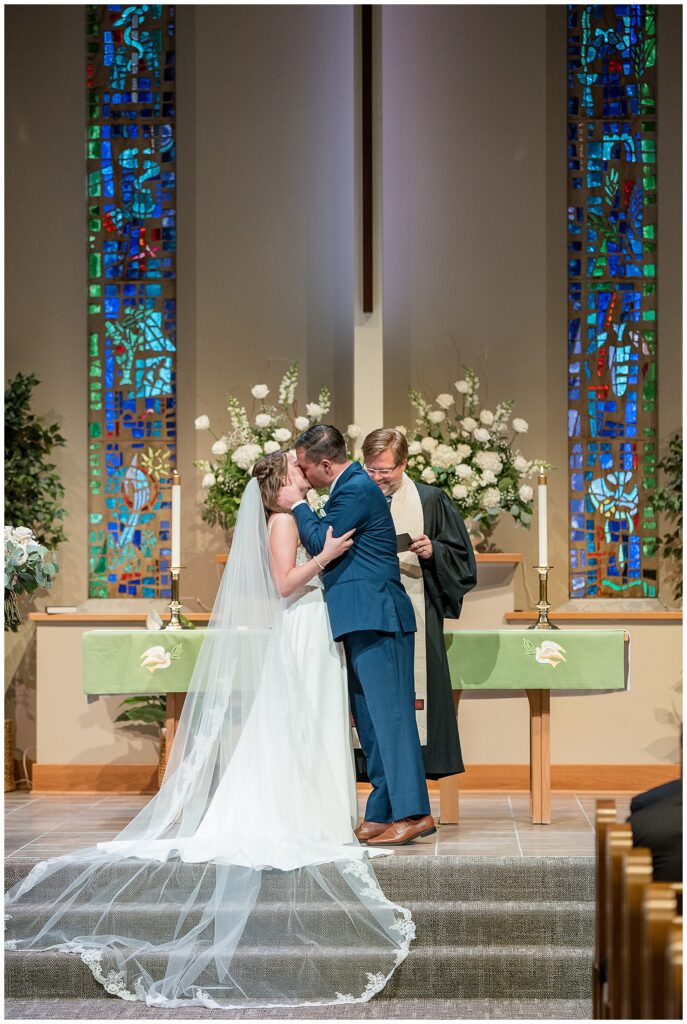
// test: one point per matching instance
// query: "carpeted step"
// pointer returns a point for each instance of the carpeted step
(388, 1009)
(461, 922)
(446, 972)
(435, 879)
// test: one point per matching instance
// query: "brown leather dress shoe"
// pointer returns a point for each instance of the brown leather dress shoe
(405, 831)
(369, 829)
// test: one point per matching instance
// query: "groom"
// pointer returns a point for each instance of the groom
(370, 612)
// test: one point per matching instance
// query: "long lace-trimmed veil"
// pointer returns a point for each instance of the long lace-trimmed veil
(182, 908)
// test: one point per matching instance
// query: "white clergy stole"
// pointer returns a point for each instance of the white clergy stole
(408, 517)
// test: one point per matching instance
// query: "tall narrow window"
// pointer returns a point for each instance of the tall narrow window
(132, 297)
(612, 300)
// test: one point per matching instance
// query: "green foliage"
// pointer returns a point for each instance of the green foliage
(150, 709)
(33, 492)
(26, 569)
(669, 500)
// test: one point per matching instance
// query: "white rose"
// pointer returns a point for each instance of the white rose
(281, 435)
(468, 424)
(313, 410)
(246, 455)
(489, 460)
(486, 417)
(428, 475)
(353, 430)
(202, 423)
(260, 391)
(22, 534)
(272, 446)
(220, 447)
(525, 492)
(463, 450)
(445, 401)
(208, 480)
(480, 434)
(521, 464)
(491, 498)
(436, 416)
(302, 422)
(463, 471)
(460, 491)
(414, 448)
(488, 477)
(444, 457)
(429, 443)
(520, 426)
(401, 430)
(462, 387)
(263, 419)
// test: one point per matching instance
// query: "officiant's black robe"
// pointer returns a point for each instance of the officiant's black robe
(448, 575)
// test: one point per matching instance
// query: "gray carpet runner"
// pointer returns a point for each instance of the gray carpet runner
(496, 938)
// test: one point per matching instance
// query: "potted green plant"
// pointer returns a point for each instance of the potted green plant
(149, 709)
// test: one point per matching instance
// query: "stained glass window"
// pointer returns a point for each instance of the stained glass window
(131, 166)
(611, 148)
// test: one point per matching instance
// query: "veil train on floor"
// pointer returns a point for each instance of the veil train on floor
(186, 906)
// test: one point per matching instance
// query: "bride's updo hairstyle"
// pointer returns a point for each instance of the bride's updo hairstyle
(271, 472)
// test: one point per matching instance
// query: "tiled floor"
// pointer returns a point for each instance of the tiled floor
(491, 825)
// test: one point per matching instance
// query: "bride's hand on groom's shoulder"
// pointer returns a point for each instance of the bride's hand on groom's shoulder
(335, 547)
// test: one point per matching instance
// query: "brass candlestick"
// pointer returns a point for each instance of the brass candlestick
(543, 622)
(174, 605)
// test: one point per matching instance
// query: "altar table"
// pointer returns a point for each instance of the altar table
(538, 662)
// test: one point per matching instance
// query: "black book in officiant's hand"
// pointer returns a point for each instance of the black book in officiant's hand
(403, 542)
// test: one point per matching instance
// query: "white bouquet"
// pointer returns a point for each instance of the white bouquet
(268, 428)
(26, 569)
(469, 452)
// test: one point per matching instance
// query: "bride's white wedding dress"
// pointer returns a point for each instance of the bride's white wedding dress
(241, 883)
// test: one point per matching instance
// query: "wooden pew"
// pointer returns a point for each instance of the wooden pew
(605, 817)
(673, 979)
(660, 904)
(637, 874)
(618, 844)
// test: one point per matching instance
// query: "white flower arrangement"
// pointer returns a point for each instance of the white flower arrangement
(26, 569)
(468, 452)
(269, 428)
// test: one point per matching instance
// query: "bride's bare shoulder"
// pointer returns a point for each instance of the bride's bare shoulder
(283, 523)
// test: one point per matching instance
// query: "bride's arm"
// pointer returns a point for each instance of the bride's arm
(288, 576)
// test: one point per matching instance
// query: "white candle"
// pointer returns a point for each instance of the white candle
(543, 522)
(176, 521)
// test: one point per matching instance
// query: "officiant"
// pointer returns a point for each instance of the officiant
(437, 571)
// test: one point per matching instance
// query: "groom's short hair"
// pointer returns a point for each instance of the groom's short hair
(322, 441)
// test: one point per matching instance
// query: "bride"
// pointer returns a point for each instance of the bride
(241, 883)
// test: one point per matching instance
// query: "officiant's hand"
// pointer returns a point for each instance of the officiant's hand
(422, 546)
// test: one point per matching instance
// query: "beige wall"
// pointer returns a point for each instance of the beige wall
(475, 222)
(474, 248)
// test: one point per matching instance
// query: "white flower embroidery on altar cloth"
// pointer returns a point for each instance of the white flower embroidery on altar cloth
(548, 652)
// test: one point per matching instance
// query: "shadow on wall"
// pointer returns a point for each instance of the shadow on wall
(668, 748)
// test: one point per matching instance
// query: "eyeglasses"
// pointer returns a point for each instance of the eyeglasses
(387, 471)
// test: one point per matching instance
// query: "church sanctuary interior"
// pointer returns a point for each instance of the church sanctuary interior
(410, 270)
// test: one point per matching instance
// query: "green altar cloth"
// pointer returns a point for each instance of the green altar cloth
(128, 661)
(531, 659)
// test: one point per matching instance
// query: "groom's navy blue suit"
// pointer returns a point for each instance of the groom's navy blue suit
(370, 611)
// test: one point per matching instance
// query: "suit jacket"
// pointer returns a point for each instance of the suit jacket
(657, 823)
(363, 587)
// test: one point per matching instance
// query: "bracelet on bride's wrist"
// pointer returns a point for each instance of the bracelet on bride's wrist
(318, 562)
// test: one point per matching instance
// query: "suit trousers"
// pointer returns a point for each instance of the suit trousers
(381, 688)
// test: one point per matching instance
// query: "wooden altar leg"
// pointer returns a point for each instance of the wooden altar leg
(175, 702)
(540, 756)
(449, 809)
